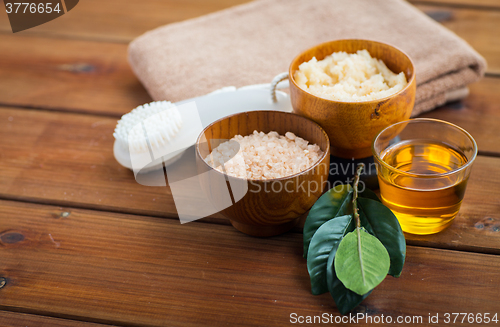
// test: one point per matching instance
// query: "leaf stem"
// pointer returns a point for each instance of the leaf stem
(358, 230)
(355, 212)
(359, 169)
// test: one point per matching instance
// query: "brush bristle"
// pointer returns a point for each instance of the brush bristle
(160, 120)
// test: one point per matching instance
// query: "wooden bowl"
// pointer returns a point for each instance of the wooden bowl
(352, 126)
(263, 207)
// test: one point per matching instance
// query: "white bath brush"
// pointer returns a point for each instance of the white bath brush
(147, 131)
(157, 134)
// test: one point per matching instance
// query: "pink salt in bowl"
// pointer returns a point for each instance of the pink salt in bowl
(263, 207)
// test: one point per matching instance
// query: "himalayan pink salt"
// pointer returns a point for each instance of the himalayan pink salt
(264, 156)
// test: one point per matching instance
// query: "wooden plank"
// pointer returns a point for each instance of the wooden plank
(127, 21)
(479, 114)
(483, 127)
(477, 27)
(15, 319)
(66, 159)
(477, 226)
(94, 77)
(72, 75)
(484, 96)
(479, 4)
(154, 272)
(480, 111)
(121, 21)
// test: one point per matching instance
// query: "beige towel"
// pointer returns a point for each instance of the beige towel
(251, 43)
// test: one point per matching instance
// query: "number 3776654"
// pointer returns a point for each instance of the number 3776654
(33, 8)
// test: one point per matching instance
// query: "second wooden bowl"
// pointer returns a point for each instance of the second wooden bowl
(352, 126)
(263, 207)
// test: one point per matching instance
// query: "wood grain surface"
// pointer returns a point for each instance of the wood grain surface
(476, 26)
(120, 21)
(15, 319)
(472, 121)
(66, 159)
(74, 75)
(83, 245)
(153, 272)
(44, 72)
(477, 226)
(133, 18)
(475, 4)
(484, 97)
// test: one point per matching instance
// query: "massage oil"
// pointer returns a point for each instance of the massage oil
(422, 194)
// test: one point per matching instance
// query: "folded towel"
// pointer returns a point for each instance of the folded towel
(251, 43)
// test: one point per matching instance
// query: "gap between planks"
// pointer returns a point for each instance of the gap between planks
(62, 110)
(487, 6)
(216, 219)
(10, 316)
(54, 35)
(423, 241)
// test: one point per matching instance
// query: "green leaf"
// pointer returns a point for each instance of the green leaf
(385, 226)
(345, 299)
(369, 194)
(335, 202)
(361, 262)
(325, 238)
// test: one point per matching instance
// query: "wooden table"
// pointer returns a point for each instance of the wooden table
(82, 244)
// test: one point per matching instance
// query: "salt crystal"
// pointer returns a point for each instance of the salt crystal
(265, 156)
